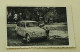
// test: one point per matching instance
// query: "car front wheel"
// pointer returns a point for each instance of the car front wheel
(28, 38)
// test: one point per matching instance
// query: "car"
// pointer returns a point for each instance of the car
(30, 30)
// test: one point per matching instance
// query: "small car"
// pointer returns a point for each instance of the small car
(30, 30)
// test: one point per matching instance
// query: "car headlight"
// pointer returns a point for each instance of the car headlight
(33, 32)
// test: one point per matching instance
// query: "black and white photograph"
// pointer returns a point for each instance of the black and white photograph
(37, 26)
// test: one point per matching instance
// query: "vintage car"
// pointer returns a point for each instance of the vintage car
(30, 30)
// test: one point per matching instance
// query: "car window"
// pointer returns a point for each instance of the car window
(27, 24)
(22, 24)
(18, 24)
(31, 24)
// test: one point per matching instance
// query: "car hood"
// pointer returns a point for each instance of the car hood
(37, 29)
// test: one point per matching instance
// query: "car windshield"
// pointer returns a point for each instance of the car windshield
(31, 24)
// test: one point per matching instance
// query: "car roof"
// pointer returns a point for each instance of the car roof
(27, 21)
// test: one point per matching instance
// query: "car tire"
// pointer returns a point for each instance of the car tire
(46, 38)
(18, 35)
(28, 39)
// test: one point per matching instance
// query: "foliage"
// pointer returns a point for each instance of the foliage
(58, 14)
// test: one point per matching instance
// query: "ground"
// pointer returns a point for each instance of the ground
(55, 29)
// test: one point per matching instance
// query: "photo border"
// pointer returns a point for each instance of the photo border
(69, 24)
